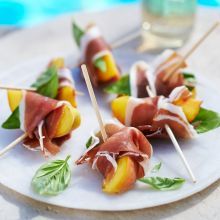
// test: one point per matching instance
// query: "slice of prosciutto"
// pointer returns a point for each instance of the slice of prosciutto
(165, 63)
(142, 75)
(151, 114)
(40, 117)
(122, 141)
(93, 47)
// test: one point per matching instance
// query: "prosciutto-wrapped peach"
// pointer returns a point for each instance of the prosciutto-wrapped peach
(96, 54)
(121, 159)
(47, 122)
(151, 114)
(142, 75)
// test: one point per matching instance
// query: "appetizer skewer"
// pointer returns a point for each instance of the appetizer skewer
(152, 113)
(122, 154)
(165, 74)
(45, 128)
(96, 54)
(52, 84)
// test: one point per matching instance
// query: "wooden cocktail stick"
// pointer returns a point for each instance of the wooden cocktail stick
(192, 49)
(176, 144)
(94, 102)
(18, 88)
(13, 144)
(125, 39)
(29, 89)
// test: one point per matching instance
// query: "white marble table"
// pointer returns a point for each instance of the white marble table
(55, 37)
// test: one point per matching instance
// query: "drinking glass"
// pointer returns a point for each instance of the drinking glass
(167, 23)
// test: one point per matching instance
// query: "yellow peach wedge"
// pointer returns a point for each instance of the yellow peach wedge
(58, 63)
(194, 92)
(67, 93)
(111, 69)
(119, 106)
(190, 108)
(14, 98)
(123, 179)
(69, 120)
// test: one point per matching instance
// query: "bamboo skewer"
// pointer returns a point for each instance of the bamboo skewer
(94, 102)
(176, 144)
(125, 39)
(29, 89)
(13, 144)
(18, 88)
(190, 52)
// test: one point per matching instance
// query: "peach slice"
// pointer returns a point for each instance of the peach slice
(118, 107)
(58, 63)
(69, 120)
(194, 92)
(14, 98)
(190, 108)
(111, 69)
(124, 177)
(67, 93)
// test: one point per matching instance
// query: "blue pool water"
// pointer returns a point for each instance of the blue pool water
(29, 12)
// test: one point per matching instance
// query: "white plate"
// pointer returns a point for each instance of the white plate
(19, 165)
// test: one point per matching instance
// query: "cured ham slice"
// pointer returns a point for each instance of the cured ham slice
(123, 142)
(151, 114)
(97, 55)
(142, 75)
(173, 116)
(41, 118)
(165, 63)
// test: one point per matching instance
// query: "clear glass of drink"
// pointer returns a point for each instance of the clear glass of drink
(167, 23)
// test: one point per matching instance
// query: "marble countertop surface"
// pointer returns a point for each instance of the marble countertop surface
(54, 37)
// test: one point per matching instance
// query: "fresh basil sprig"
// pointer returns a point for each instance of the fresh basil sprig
(77, 33)
(206, 120)
(189, 77)
(156, 168)
(13, 121)
(47, 83)
(121, 87)
(190, 80)
(163, 183)
(52, 178)
(100, 64)
(89, 142)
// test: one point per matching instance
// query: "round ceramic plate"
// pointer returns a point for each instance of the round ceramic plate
(85, 191)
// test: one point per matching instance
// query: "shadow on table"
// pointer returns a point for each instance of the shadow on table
(30, 209)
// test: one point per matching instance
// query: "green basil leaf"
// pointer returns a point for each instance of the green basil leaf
(47, 83)
(121, 87)
(89, 142)
(100, 64)
(163, 183)
(189, 77)
(52, 178)
(77, 33)
(206, 120)
(156, 168)
(13, 121)
(190, 80)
